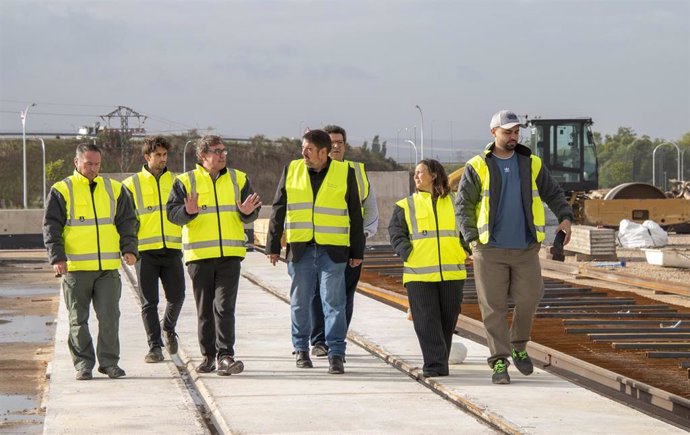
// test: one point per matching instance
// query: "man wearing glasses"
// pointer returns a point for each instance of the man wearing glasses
(212, 202)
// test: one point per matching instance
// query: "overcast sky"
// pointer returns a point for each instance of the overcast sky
(276, 67)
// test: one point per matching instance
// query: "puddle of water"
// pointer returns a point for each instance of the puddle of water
(27, 329)
(14, 407)
(19, 290)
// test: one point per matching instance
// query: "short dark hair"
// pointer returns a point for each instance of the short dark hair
(441, 187)
(319, 138)
(152, 142)
(203, 144)
(86, 146)
(336, 129)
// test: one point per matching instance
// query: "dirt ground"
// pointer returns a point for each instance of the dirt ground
(28, 307)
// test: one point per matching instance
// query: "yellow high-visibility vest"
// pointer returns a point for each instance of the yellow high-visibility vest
(437, 254)
(325, 220)
(482, 208)
(217, 231)
(362, 181)
(90, 236)
(150, 196)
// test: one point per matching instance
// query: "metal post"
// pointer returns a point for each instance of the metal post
(421, 129)
(43, 147)
(654, 161)
(23, 116)
(184, 156)
(415, 150)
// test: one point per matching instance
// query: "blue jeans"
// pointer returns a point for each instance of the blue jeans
(316, 266)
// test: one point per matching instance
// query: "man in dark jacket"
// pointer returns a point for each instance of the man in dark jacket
(500, 211)
(89, 223)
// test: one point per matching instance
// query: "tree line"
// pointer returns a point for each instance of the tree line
(261, 158)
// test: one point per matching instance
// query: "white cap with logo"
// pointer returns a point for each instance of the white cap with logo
(505, 119)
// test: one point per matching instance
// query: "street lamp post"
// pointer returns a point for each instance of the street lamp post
(422, 129)
(184, 156)
(654, 161)
(43, 147)
(415, 150)
(23, 115)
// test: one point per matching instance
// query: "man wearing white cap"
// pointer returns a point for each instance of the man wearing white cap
(500, 211)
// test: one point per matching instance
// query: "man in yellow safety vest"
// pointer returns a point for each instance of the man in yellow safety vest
(89, 224)
(317, 203)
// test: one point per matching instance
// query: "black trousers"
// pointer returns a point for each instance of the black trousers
(215, 282)
(435, 308)
(318, 336)
(165, 265)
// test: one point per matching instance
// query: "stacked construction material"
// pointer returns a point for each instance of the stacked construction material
(598, 243)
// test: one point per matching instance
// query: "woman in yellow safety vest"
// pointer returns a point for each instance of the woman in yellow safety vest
(423, 233)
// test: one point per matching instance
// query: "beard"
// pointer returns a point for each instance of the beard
(510, 146)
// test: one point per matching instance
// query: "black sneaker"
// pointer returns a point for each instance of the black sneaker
(170, 340)
(229, 366)
(155, 355)
(113, 372)
(208, 365)
(302, 359)
(500, 375)
(522, 361)
(335, 365)
(319, 350)
(84, 375)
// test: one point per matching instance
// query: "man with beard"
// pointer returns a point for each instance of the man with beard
(317, 205)
(500, 211)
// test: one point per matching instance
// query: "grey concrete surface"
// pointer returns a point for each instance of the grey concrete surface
(273, 396)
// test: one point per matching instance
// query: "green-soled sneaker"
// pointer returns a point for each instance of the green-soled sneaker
(500, 375)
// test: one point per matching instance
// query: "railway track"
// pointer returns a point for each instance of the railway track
(620, 344)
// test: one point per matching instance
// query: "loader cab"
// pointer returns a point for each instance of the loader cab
(566, 147)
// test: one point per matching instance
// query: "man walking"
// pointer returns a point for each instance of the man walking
(212, 202)
(89, 221)
(160, 244)
(500, 211)
(370, 215)
(318, 203)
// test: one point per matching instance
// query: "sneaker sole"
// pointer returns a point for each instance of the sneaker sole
(153, 360)
(206, 370)
(118, 375)
(236, 368)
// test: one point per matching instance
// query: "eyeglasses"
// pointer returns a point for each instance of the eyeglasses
(219, 152)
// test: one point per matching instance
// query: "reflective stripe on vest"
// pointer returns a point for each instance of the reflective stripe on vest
(482, 207)
(217, 231)
(150, 194)
(437, 254)
(90, 236)
(325, 220)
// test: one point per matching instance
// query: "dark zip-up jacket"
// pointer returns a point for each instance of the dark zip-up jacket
(470, 194)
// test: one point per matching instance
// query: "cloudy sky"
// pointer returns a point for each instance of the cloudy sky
(276, 67)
